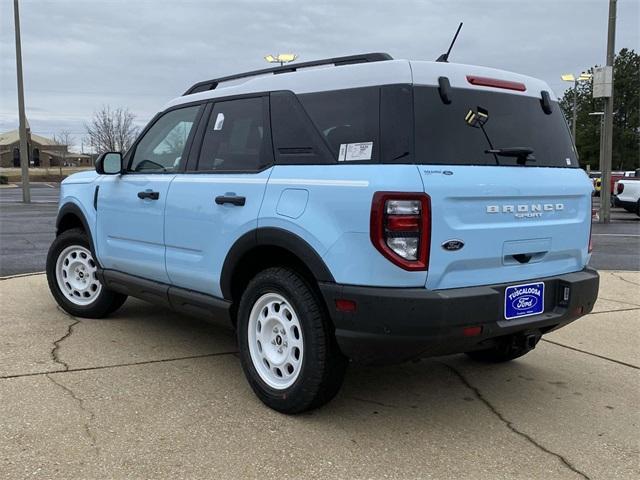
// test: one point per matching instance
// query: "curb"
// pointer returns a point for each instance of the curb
(20, 275)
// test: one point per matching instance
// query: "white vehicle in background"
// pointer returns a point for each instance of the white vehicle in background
(627, 194)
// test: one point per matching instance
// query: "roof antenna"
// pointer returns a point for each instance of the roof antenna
(445, 56)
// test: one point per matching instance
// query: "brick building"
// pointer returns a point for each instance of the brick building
(43, 152)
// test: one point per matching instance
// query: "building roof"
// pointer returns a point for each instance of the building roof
(9, 138)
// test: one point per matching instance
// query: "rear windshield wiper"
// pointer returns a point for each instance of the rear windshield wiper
(522, 154)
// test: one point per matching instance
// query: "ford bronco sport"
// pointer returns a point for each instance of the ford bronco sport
(355, 208)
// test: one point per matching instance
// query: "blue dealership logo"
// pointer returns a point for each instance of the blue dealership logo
(523, 300)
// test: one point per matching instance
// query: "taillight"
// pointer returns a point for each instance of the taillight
(620, 188)
(401, 228)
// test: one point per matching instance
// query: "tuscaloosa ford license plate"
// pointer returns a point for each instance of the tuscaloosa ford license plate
(523, 300)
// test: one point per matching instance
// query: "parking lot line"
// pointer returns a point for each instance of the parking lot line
(614, 235)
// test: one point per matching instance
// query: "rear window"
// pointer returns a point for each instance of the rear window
(475, 122)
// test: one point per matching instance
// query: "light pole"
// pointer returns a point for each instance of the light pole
(568, 77)
(281, 58)
(24, 153)
(605, 193)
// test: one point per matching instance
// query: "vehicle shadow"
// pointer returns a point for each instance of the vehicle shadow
(444, 390)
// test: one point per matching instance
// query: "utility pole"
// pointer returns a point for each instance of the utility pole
(605, 193)
(24, 154)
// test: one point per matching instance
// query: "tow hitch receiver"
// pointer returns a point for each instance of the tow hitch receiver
(519, 343)
(526, 341)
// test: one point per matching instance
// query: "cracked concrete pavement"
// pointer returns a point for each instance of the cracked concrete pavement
(147, 393)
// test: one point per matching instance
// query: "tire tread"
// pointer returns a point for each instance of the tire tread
(322, 381)
(106, 303)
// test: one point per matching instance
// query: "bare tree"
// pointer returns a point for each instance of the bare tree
(176, 139)
(112, 130)
(64, 137)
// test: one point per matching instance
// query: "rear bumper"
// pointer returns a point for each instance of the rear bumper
(396, 324)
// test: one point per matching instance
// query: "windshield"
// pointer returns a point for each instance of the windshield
(487, 128)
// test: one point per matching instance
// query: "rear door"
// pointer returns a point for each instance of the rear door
(509, 202)
(130, 207)
(218, 199)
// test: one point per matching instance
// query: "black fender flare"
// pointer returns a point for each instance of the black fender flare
(272, 237)
(76, 211)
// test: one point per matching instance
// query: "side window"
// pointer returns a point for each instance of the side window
(162, 147)
(349, 120)
(237, 136)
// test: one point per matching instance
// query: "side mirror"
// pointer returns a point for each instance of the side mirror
(109, 163)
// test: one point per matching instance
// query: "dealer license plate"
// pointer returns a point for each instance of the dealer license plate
(523, 300)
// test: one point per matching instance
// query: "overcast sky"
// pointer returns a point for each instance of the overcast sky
(81, 54)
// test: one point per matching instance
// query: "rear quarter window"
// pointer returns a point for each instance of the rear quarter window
(347, 117)
(443, 136)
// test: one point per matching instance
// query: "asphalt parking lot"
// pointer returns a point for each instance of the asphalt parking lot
(151, 394)
(26, 231)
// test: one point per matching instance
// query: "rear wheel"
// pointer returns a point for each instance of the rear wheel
(71, 274)
(287, 345)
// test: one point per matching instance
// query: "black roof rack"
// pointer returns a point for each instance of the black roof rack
(348, 60)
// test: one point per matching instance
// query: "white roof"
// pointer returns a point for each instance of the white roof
(330, 77)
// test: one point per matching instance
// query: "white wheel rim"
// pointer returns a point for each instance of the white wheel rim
(76, 275)
(275, 341)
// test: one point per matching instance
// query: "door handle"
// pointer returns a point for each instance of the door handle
(149, 195)
(233, 199)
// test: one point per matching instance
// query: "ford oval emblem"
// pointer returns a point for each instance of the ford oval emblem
(524, 302)
(453, 245)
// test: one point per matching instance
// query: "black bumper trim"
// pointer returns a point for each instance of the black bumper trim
(396, 324)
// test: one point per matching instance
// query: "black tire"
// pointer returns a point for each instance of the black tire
(323, 365)
(105, 303)
(638, 208)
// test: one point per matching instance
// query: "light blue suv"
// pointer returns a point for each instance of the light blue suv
(356, 208)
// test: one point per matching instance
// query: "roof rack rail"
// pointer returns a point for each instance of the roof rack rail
(348, 60)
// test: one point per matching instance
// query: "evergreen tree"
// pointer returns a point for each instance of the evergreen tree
(626, 115)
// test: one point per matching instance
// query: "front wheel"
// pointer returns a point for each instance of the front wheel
(287, 345)
(71, 274)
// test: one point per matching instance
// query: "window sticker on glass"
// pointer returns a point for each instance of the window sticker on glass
(353, 152)
(219, 121)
